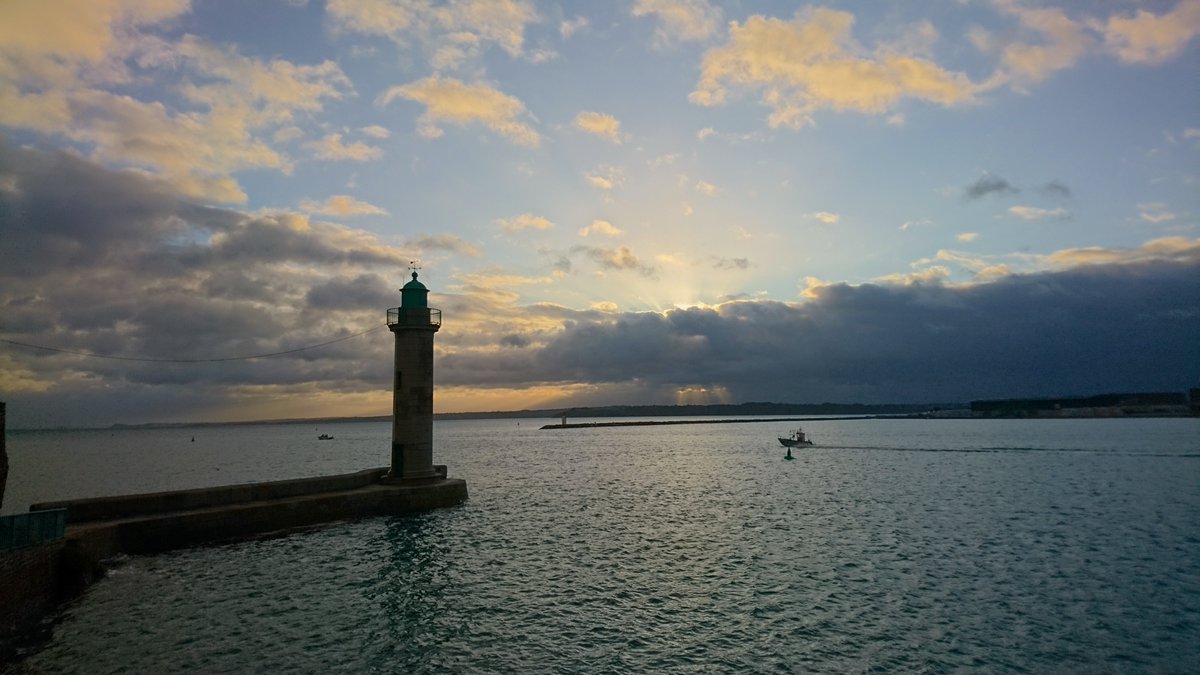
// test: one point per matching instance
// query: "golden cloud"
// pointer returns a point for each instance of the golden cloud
(1179, 249)
(600, 124)
(332, 148)
(55, 57)
(1150, 38)
(681, 19)
(452, 32)
(73, 32)
(605, 177)
(342, 205)
(456, 102)
(525, 221)
(811, 62)
(603, 228)
(1061, 43)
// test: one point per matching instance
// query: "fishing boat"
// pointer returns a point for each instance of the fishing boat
(324, 437)
(796, 439)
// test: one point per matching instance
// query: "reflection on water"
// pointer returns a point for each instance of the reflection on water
(1049, 546)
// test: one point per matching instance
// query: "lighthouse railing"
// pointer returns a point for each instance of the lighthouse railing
(414, 316)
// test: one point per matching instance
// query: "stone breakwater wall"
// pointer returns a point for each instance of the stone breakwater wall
(155, 522)
(34, 580)
(132, 506)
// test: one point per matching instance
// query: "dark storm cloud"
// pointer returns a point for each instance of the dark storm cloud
(57, 208)
(514, 340)
(1089, 329)
(988, 185)
(109, 262)
(366, 291)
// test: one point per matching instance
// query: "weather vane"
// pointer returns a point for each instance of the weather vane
(414, 266)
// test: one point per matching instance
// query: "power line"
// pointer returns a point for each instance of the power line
(152, 360)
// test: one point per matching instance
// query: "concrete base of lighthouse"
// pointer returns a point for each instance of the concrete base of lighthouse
(435, 473)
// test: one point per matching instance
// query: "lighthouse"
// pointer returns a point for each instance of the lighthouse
(413, 324)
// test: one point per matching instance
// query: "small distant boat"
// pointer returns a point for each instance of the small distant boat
(324, 437)
(795, 440)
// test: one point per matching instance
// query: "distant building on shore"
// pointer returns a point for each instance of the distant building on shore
(1147, 404)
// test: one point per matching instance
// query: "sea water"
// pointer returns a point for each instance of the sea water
(890, 545)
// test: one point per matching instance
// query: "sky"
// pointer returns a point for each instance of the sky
(637, 201)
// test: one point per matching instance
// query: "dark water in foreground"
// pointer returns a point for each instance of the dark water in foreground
(928, 546)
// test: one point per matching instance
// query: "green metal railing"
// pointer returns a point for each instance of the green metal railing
(36, 527)
(414, 316)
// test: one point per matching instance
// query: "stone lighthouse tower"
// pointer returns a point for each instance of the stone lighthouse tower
(414, 324)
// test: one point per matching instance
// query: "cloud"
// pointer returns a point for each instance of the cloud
(916, 341)
(1034, 213)
(600, 124)
(451, 34)
(812, 63)
(114, 262)
(569, 27)
(287, 134)
(57, 68)
(602, 228)
(1155, 213)
(1056, 189)
(342, 205)
(730, 263)
(988, 185)
(1167, 250)
(615, 259)
(605, 177)
(680, 20)
(85, 33)
(706, 188)
(376, 131)
(827, 217)
(910, 224)
(366, 292)
(1055, 43)
(966, 237)
(1151, 38)
(705, 133)
(452, 101)
(331, 148)
(525, 221)
(450, 243)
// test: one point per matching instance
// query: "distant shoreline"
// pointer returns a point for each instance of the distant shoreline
(651, 423)
(777, 411)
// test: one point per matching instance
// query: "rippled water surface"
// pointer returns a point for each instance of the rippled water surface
(892, 545)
